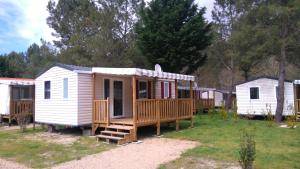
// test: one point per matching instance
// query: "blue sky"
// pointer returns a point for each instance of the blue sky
(23, 22)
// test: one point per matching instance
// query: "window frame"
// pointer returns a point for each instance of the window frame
(47, 90)
(66, 95)
(258, 90)
(104, 93)
(139, 89)
(166, 89)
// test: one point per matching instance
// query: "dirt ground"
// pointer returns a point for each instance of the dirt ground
(5, 164)
(148, 154)
(15, 127)
(57, 138)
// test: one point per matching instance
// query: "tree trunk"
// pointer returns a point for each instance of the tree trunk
(229, 96)
(280, 99)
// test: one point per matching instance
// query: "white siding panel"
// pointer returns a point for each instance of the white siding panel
(85, 99)
(57, 110)
(267, 95)
(210, 94)
(218, 99)
(4, 99)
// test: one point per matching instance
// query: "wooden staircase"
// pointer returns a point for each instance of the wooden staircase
(121, 134)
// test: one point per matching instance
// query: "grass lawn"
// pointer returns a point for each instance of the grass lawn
(40, 154)
(275, 147)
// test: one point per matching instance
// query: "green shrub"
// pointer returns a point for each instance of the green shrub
(211, 112)
(23, 120)
(200, 108)
(269, 117)
(247, 150)
(234, 111)
(223, 111)
(292, 119)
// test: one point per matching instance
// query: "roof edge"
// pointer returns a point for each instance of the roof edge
(262, 77)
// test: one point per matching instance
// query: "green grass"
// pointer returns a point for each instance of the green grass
(40, 154)
(275, 147)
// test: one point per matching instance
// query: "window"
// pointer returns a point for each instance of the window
(47, 89)
(66, 88)
(254, 93)
(22, 92)
(143, 94)
(106, 88)
(166, 89)
(25, 92)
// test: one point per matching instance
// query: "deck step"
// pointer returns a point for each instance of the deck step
(114, 133)
(121, 134)
(109, 137)
(120, 127)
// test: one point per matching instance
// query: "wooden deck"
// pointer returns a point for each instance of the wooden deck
(19, 108)
(145, 112)
(122, 121)
(297, 108)
(199, 104)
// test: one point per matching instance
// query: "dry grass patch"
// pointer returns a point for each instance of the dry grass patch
(196, 162)
(57, 138)
(39, 149)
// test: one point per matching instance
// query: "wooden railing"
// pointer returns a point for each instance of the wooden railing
(146, 110)
(21, 107)
(203, 103)
(101, 111)
(184, 108)
(155, 110)
(297, 105)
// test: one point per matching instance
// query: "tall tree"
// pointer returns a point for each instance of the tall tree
(95, 33)
(38, 57)
(277, 23)
(173, 33)
(4, 71)
(225, 16)
(16, 64)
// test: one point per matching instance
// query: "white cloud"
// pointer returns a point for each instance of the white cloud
(26, 19)
(30, 21)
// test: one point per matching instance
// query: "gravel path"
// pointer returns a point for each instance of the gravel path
(146, 155)
(4, 164)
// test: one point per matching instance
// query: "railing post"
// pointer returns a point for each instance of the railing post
(108, 111)
(191, 97)
(176, 105)
(295, 99)
(134, 107)
(12, 106)
(93, 102)
(157, 107)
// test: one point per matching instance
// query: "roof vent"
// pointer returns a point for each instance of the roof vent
(158, 68)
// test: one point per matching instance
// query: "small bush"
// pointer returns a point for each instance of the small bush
(200, 108)
(269, 116)
(211, 112)
(292, 119)
(23, 120)
(247, 150)
(234, 111)
(223, 111)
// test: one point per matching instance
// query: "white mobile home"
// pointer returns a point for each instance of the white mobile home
(17, 96)
(254, 95)
(219, 96)
(108, 97)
